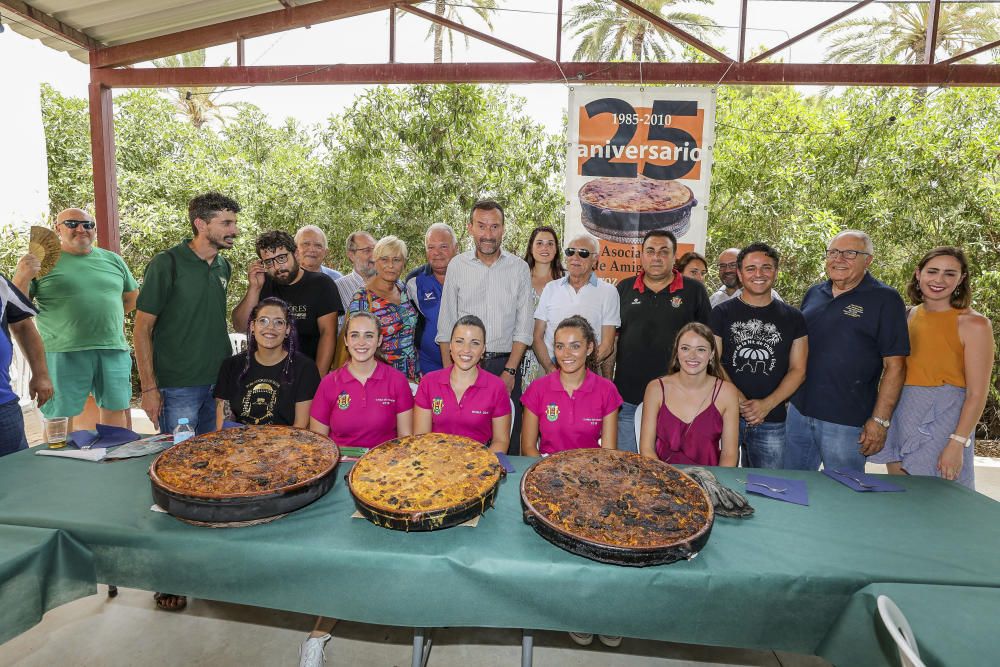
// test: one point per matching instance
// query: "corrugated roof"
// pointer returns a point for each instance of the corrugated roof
(113, 22)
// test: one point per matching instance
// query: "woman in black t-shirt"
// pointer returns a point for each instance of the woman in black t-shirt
(270, 383)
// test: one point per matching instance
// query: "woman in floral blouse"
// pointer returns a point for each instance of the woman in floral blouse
(385, 297)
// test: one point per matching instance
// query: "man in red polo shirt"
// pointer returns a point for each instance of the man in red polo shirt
(654, 306)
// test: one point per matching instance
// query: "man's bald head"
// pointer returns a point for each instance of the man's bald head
(77, 239)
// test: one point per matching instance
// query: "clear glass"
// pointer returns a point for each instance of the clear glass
(55, 432)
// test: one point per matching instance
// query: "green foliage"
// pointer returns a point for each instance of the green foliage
(913, 170)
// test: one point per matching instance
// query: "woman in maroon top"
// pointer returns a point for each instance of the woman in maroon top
(688, 412)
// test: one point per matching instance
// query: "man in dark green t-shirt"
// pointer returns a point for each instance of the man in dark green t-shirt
(181, 335)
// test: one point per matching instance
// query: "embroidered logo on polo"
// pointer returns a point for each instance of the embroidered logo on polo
(753, 346)
(552, 412)
(223, 282)
(676, 302)
(636, 302)
(854, 310)
(437, 406)
(344, 400)
(430, 296)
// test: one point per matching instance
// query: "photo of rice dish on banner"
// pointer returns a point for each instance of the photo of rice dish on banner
(638, 159)
(624, 209)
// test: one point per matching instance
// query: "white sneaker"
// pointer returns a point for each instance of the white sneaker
(610, 641)
(311, 652)
(582, 638)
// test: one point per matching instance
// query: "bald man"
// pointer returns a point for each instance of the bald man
(82, 305)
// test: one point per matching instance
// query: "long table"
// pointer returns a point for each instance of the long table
(779, 580)
(40, 569)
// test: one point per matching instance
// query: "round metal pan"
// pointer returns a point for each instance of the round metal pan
(425, 521)
(223, 508)
(630, 226)
(415, 520)
(683, 549)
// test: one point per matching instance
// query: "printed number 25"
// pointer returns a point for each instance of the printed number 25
(603, 166)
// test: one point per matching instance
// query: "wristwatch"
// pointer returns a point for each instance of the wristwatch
(884, 423)
(966, 442)
(512, 371)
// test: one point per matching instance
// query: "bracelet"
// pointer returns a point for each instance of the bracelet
(146, 391)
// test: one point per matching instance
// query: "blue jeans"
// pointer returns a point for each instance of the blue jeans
(809, 441)
(762, 446)
(626, 428)
(11, 428)
(195, 403)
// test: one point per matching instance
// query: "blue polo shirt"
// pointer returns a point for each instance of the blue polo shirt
(849, 335)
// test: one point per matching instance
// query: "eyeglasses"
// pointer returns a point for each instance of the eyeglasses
(724, 266)
(73, 224)
(277, 259)
(833, 253)
(365, 250)
(583, 252)
(265, 322)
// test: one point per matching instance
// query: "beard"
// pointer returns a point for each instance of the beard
(286, 275)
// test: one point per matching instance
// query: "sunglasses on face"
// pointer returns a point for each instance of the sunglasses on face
(73, 224)
(583, 252)
(277, 259)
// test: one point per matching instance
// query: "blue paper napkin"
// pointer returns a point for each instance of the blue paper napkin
(102, 437)
(504, 461)
(228, 424)
(851, 478)
(794, 490)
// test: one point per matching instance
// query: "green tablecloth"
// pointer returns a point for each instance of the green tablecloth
(40, 569)
(955, 626)
(779, 580)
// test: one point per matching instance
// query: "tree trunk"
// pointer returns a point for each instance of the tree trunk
(637, 44)
(439, 8)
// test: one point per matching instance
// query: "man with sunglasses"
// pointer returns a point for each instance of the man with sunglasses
(858, 344)
(579, 292)
(312, 298)
(82, 303)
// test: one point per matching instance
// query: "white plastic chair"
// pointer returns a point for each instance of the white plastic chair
(238, 342)
(899, 628)
(638, 423)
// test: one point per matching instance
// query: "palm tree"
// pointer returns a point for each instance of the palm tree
(901, 36)
(449, 10)
(196, 103)
(611, 32)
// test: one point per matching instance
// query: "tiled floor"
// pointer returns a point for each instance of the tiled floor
(128, 631)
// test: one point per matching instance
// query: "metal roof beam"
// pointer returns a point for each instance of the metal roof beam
(481, 36)
(833, 74)
(50, 23)
(668, 27)
(296, 16)
(969, 54)
(933, 21)
(803, 35)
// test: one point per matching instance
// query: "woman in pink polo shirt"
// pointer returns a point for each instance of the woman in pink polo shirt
(365, 402)
(462, 399)
(574, 407)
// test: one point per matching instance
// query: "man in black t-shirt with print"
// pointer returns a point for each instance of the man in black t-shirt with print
(654, 306)
(312, 297)
(764, 350)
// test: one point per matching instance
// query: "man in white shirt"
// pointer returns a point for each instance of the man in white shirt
(579, 292)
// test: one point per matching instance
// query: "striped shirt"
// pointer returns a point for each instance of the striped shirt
(499, 295)
(349, 285)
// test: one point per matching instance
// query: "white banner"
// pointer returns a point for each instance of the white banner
(638, 159)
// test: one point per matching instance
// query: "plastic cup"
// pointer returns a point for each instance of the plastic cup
(55, 432)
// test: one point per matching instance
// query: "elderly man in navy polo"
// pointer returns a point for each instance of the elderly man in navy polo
(858, 344)
(424, 285)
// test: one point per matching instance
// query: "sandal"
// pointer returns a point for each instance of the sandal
(170, 602)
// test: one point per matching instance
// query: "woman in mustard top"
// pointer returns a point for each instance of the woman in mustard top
(947, 374)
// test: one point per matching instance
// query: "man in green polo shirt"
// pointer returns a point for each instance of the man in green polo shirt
(181, 336)
(82, 305)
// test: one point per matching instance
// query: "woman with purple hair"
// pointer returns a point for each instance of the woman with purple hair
(270, 383)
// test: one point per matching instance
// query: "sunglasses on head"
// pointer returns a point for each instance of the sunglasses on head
(73, 224)
(583, 252)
